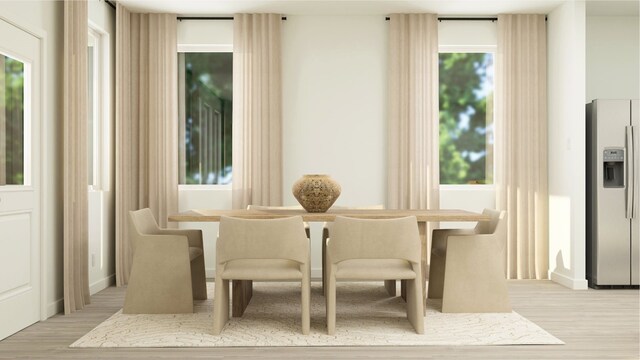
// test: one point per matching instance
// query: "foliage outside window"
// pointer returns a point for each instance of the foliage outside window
(466, 118)
(205, 86)
(11, 121)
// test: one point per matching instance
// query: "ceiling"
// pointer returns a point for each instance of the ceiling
(347, 7)
(376, 7)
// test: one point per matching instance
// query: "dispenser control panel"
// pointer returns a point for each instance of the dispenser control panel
(613, 155)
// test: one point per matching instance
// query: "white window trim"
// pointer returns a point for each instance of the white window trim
(205, 48)
(101, 129)
(473, 49)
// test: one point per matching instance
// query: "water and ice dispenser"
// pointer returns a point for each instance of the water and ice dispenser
(613, 172)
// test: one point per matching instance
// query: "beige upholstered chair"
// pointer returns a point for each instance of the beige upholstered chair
(294, 207)
(467, 267)
(168, 268)
(326, 227)
(262, 250)
(370, 250)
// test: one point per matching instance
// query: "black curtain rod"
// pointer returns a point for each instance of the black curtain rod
(211, 18)
(465, 18)
(110, 3)
(461, 18)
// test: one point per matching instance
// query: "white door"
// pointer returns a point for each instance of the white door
(20, 83)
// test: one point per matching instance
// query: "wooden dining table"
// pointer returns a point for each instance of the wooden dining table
(242, 289)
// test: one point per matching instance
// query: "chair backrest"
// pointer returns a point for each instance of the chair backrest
(496, 224)
(374, 239)
(143, 222)
(283, 238)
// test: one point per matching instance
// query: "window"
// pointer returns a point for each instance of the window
(205, 107)
(466, 117)
(12, 121)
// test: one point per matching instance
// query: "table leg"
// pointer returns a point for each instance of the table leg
(390, 285)
(241, 295)
(422, 229)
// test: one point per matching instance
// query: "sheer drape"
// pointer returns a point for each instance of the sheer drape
(257, 110)
(413, 123)
(521, 142)
(75, 170)
(413, 176)
(146, 123)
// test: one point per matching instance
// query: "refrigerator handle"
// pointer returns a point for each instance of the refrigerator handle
(630, 172)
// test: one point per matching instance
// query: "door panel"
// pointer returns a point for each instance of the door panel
(20, 86)
(15, 257)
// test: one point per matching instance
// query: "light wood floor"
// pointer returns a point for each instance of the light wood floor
(602, 324)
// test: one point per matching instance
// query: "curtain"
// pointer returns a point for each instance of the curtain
(521, 143)
(413, 122)
(75, 169)
(257, 110)
(146, 123)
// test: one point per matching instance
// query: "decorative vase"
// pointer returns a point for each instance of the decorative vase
(316, 193)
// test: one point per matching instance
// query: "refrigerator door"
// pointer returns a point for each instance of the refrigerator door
(635, 220)
(613, 261)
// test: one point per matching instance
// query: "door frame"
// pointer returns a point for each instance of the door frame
(44, 127)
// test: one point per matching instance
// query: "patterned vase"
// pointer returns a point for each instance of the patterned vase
(316, 193)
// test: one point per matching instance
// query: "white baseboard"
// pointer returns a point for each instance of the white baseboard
(569, 282)
(316, 274)
(102, 284)
(55, 307)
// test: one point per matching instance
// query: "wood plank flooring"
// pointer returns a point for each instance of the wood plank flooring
(594, 324)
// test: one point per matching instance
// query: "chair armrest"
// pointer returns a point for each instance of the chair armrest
(440, 236)
(194, 236)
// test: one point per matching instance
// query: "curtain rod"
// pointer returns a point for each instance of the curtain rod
(111, 3)
(492, 19)
(180, 18)
(461, 18)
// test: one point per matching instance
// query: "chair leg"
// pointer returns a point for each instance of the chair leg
(198, 278)
(415, 309)
(436, 276)
(330, 299)
(220, 305)
(306, 305)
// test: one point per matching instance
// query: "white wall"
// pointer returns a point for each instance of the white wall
(334, 107)
(613, 57)
(101, 200)
(566, 92)
(47, 16)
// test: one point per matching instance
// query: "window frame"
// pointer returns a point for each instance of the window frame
(198, 48)
(472, 49)
(102, 110)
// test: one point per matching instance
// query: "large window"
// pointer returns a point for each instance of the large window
(466, 118)
(205, 107)
(98, 109)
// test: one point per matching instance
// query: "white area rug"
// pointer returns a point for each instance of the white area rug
(366, 315)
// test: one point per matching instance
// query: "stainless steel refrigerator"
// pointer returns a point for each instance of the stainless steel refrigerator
(613, 189)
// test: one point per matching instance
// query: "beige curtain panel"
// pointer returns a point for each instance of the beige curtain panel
(521, 143)
(413, 122)
(75, 169)
(146, 123)
(257, 110)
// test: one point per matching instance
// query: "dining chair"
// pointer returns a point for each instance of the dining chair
(326, 228)
(167, 271)
(372, 250)
(307, 230)
(261, 250)
(467, 267)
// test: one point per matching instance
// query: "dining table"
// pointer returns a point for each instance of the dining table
(242, 289)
